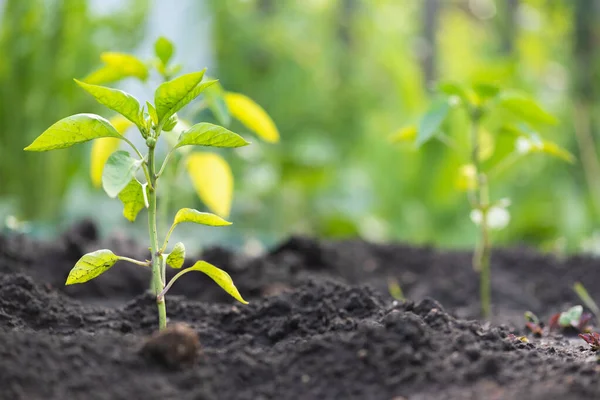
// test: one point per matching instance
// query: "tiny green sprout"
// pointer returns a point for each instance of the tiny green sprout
(520, 114)
(134, 177)
(585, 297)
(395, 290)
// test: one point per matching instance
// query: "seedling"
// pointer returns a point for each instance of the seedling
(592, 338)
(394, 289)
(585, 297)
(209, 172)
(122, 173)
(573, 318)
(533, 324)
(479, 101)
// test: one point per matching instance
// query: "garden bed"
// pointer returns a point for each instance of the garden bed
(320, 325)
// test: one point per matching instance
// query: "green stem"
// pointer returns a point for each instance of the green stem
(166, 242)
(157, 260)
(481, 256)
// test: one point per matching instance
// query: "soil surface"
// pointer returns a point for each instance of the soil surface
(320, 325)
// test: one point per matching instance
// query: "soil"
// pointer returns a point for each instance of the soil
(320, 325)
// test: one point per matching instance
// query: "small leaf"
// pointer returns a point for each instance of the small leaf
(118, 172)
(526, 109)
(432, 121)
(132, 197)
(91, 265)
(485, 90)
(104, 75)
(221, 277)
(72, 130)
(173, 95)
(406, 134)
(486, 144)
(176, 258)
(467, 178)
(213, 181)
(454, 89)
(253, 116)
(118, 66)
(555, 150)
(164, 49)
(102, 149)
(152, 113)
(205, 134)
(117, 100)
(573, 314)
(170, 124)
(197, 217)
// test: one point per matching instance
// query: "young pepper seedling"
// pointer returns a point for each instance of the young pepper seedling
(478, 101)
(120, 174)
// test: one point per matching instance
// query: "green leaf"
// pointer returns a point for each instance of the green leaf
(572, 315)
(173, 95)
(164, 49)
(526, 109)
(432, 121)
(152, 113)
(132, 197)
(91, 265)
(170, 124)
(454, 89)
(485, 90)
(221, 277)
(75, 129)
(117, 100)
(205, 134)
(197, 217)
(120, 168)
(176, 258)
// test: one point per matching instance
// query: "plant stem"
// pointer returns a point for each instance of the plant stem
(157, 260)
(481, 256)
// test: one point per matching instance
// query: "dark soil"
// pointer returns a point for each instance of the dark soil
(320, 325)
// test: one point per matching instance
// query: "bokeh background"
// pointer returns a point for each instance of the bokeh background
(337, 77)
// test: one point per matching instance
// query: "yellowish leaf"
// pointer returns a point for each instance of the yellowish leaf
(486, 144)
(221, 277)
(555, 150)
(467, 178)
(253, 116)
(102, 149)
(212, 180)
(406, 134)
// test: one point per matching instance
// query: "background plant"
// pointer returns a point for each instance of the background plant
(44, 44)
(119, 175)
(338, 76)
(483, 159)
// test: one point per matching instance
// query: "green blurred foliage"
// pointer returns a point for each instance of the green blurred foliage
(339, 76)
(44, 45)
